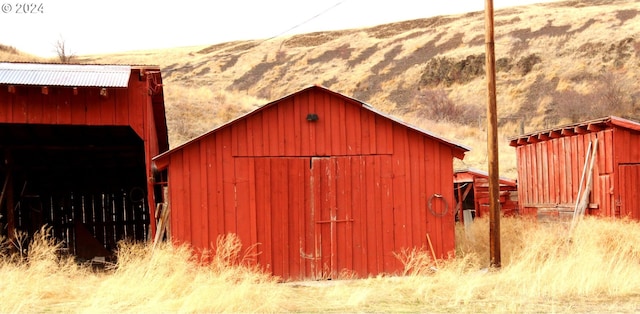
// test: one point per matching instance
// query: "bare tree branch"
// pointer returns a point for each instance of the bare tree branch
(62, 50)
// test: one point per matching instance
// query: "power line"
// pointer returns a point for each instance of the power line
(308, 20)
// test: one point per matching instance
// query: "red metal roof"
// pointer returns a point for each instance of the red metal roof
(575, 128)
(73, 75)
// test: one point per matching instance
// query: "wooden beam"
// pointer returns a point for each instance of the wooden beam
(567, 132)
(45, 90)
(4, 187)
(543, 137)
(594, 127)
(554, 134)
(11, 89)
(11, 223)
(581, 129)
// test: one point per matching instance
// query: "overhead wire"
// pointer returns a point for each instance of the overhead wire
(307, 20)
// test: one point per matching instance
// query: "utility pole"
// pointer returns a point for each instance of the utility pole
(492, 140)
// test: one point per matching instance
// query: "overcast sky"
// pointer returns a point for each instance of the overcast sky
(122, 25)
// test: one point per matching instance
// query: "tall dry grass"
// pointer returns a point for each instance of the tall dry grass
(595, 268)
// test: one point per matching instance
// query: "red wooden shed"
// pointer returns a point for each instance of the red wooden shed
(471, 188)
(552, 164)
(316, 183)
(76, 143)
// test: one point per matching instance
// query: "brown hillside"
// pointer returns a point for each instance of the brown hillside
(556, 63)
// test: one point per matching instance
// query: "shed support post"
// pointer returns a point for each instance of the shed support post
(7, 193)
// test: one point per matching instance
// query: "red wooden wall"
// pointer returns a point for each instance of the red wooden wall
(550, 169)
(342, 193)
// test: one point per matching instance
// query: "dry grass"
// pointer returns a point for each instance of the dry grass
(192, 111)
(545, 269)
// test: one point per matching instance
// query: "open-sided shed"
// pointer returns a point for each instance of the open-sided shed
(76, 143)
(471, 188)
(552, 164)
(315, 183)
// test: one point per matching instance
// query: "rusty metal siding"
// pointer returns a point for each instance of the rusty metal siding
(313, 199)
(72, 75)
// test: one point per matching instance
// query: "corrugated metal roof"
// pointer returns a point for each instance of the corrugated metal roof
(73, 75)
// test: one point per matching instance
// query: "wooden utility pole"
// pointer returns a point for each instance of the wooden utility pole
(492, 140)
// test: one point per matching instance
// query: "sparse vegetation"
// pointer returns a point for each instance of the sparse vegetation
(64, 53)
(196, 110)
(596, 268)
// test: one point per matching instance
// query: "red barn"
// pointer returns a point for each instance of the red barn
(471, 188)
(76, 143)
(316, 183)
(552, 164)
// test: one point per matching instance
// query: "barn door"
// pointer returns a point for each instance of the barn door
(629, 185)
(331, 212)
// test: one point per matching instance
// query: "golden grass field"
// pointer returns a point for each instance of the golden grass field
(594, 269)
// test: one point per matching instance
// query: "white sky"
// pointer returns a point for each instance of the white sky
(122, 25)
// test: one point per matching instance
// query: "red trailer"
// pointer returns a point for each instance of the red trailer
(553, 163)
(76, 143)
(315, 183)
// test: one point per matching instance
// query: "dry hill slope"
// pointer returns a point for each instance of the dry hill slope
(557, 63)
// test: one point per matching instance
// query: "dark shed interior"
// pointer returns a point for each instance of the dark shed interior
(86, 182)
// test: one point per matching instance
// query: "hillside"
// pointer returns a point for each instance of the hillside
(557, 63)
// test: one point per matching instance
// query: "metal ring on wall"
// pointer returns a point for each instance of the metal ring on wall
(430, 206)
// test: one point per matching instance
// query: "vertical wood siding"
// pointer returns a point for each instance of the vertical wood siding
(313, 199)
(550, 173)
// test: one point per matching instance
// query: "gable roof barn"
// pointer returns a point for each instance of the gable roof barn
(315, 183)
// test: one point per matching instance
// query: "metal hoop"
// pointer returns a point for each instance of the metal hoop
(430, 206)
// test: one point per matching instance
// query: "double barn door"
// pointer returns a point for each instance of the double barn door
(307, 211)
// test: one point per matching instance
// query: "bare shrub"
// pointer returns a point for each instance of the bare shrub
(612, 95)
(62, 51)
(569, 105)
(436, 105)
(416, 261)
